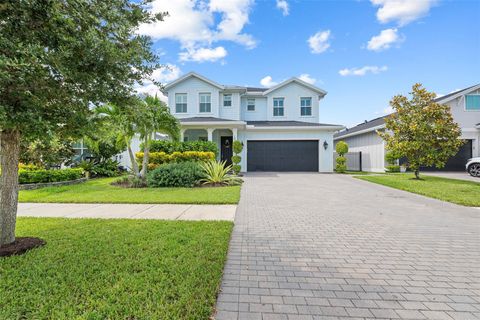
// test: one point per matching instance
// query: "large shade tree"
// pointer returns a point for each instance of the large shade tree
(58, 58)
(421, 130)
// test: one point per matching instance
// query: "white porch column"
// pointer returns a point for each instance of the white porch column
(182, 134)
(234, 133)
(210, 134)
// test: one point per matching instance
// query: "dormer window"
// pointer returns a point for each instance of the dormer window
(227, 100)
(180, 103)
(472, 102)
(306, 106)
(205, 102)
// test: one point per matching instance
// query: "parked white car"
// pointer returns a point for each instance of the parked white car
(473, 167)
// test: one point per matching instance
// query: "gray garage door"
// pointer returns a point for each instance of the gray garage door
(299, 155)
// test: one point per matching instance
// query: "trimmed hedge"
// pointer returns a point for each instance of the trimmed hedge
(158, 158)
(43, 175)
(173, 146)
(183, 174)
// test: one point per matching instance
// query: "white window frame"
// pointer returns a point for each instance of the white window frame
(231, 100)
(310, 106)
(465, 102)
(182, 103)
(205, 94)
(283, 107)
(248, 104)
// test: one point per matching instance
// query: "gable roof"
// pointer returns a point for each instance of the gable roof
(379, 123)
(297, 80)
(195, 75)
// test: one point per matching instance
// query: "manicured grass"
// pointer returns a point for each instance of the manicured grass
(115, 269)
(457, 191)
(100, 191)
(358, 173)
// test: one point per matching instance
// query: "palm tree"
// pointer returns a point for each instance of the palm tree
(122, 118)
(155, 118)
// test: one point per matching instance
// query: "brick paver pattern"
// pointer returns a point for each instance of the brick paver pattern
(324, 246)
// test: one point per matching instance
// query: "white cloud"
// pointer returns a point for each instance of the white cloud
(166, 74)
(268, 82)
(319, 41)
(362, 71)
(203, 54)
(307, 78)
(283, 6)
(163, 75)
(402, 11)
(193, 24)
(384, 40)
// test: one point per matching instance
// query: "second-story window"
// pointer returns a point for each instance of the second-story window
(251, 104)
(227, 100)
(205, 102)
(472, 102)
(306, 106)
(278, 110)
(180, 102)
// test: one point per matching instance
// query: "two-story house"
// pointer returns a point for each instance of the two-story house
(465, 108)
(279, 126)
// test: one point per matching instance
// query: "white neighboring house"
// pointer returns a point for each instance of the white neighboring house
(465, 108)
(279, 126)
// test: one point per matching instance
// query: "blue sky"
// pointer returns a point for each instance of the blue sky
(361, 52)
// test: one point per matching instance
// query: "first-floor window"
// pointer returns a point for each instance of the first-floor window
(180, 102)
(472, 102)
(227, 100)
(278, 110)
(305, 106)
(205, 102)
(250, 104)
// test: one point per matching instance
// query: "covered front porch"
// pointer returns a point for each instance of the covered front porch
(221, 131)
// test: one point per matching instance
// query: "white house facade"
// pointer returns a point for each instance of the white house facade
(465, 108)
(279, 126)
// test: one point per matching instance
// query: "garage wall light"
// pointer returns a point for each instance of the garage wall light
(325, 145)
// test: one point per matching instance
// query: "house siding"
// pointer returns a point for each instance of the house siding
(372, 147)
(260, 112)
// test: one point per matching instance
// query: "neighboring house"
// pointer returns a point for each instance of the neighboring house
(279, 126)
(465, 108)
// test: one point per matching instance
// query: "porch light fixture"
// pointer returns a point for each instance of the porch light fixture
(325, 144)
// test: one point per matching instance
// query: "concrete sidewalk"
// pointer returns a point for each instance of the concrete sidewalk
(128, 211)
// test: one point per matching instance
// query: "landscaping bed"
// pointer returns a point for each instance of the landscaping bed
(456, 191)
(115, 269)
(101, 191)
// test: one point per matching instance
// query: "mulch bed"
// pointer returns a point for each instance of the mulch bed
(20, 246)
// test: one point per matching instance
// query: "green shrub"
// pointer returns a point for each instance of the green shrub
(158, 158)
(130, 182)
(392, 168)
(341, 148)
(42, 175)
(173, 146)
(183, 174)
(237, 149)
(104, 168)
(341, 166)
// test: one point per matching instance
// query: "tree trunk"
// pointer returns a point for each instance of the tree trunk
(146, 156)
(417, 174)
(132, 158)
(10, 153)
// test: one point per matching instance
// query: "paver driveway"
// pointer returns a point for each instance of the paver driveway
(313, 246)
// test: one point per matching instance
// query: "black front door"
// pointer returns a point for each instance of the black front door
(226, 151)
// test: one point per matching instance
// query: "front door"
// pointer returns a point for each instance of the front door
(226, 151)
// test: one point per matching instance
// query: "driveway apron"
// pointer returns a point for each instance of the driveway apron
(325, 246)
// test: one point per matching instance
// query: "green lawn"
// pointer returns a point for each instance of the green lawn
(100, 191)
(457, 191)
(115, 269)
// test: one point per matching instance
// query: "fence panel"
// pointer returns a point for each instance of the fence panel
(354, 160)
